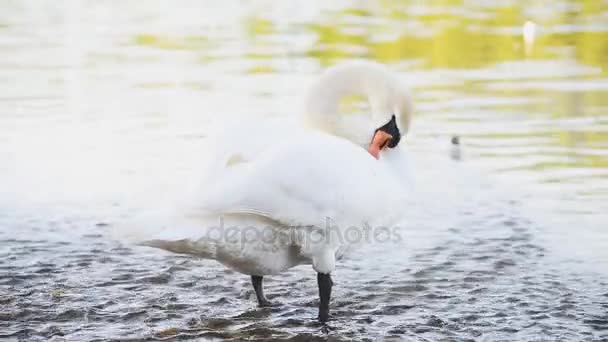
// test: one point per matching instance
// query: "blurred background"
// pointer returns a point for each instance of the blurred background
(89, 88)
(109, 100)
(105, 105)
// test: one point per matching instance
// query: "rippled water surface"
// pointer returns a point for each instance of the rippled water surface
(104, 110)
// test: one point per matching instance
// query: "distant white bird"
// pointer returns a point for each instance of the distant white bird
(280, 194)
(529, 36)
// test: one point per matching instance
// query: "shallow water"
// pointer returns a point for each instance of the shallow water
(104, 111)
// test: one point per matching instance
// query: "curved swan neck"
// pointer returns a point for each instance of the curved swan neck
(370, 80)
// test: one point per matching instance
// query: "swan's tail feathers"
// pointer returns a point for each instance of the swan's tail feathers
(199, 248)
(168, 231)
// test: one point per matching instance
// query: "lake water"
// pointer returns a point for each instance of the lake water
(104, 110)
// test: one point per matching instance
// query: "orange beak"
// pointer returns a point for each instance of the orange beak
(379, 142)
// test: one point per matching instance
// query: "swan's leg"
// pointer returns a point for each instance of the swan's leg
(325, 284)
(259, 290)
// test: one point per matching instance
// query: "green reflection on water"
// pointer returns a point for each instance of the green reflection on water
(453, 35)
(459, 35)
(171, 43)
(447, 34)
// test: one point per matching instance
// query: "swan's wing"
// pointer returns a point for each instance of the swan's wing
(236, 144)
(315, 181)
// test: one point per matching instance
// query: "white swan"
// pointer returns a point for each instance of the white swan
(279, 195)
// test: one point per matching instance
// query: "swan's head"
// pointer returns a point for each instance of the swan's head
(388, 99)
